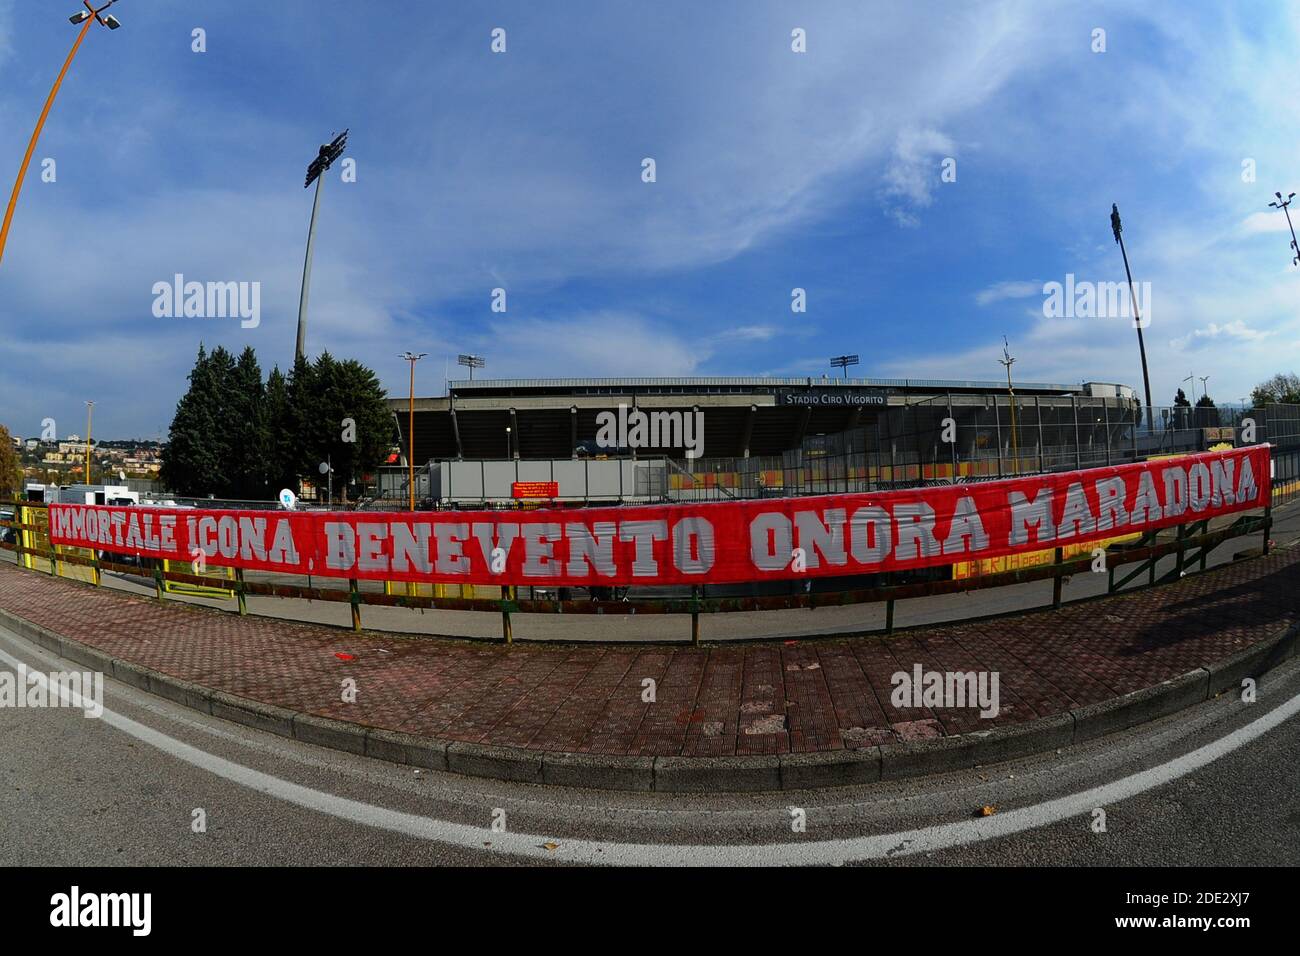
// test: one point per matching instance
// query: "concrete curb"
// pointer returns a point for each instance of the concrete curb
(695, 774)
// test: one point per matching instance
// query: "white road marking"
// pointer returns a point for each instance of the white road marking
(813, 852)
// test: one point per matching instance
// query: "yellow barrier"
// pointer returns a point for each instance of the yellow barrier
(40, 541)
(415, 589)
(1031, 559)
(198, 590)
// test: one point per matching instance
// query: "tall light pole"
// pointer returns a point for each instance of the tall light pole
(1191, 377)
(411, 357)
(844, 361)
(1283, 204)
(90, 414)
(471, 362)
(1117, 227)
(329, 152)
(1008, 361)
(85, 18)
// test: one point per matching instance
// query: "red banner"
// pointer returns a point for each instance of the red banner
(693, 543)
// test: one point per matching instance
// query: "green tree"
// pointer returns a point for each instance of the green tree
(295, 428)
(348, 423)
(227, 427)
(1281, 389)
(11, 469)
(1207, 413)
(235, 437)
(248, 460)
(190, 461)
(281, 471)
(359, 400)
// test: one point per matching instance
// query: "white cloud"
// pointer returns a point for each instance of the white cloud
(598, 344)
(1011, 289)
(747, 333)
(1237, 330)
(1265, 222)
(913, 172)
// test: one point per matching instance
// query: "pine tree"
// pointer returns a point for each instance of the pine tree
(190, 460)
(1207, 413)
(280, 470)
(227, 425)
(235, 437)
(295, 426)
(248, 475)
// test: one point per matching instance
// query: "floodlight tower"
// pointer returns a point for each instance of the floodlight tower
(1117, 227)
(84, 19)
(471, 362)
(329, 152)
(844, 361)
(1283, 204)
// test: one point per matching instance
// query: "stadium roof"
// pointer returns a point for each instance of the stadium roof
(748, 382)
(743, 416)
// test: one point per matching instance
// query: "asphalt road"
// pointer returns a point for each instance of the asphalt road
(1219, 784)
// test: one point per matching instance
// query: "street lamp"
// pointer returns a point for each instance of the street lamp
(410, 428)
(90, 414)
(326, 468)
(84, 18)
(471, 362)
(1008, 361)
(325, 158)
(1117, 227)
(844, 361)
(1190, 415)
(509, 446)
(1283, 204)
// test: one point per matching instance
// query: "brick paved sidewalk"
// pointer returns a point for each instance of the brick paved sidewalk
(711, 701)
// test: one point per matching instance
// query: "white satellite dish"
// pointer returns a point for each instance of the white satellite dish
(288, 499)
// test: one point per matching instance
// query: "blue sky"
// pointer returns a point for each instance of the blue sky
(522, 170)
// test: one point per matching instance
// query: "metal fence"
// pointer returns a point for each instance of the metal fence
(943, 440)
(1130, 561)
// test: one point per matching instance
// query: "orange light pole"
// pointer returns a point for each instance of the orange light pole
(410, 428)
(86, 18)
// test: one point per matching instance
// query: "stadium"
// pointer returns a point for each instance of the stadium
(760, 436)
